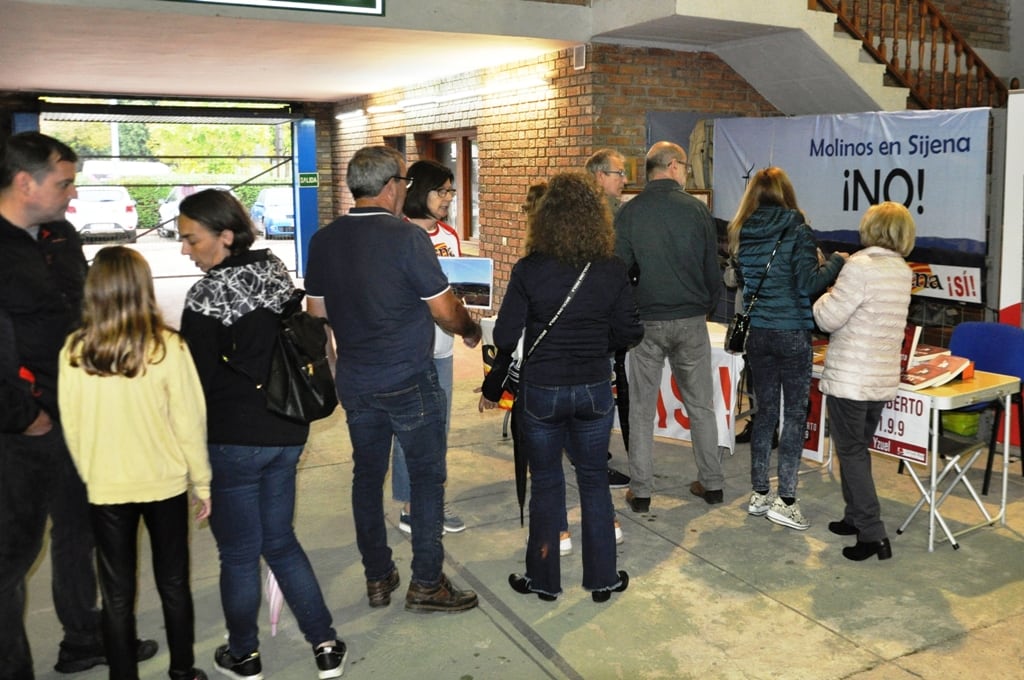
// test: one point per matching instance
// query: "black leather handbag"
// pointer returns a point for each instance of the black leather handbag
(736, 336)
(300, 385)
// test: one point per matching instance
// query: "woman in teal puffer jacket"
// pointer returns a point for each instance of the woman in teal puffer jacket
(779, 343)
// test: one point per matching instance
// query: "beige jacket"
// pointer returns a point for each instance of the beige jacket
(866, 312)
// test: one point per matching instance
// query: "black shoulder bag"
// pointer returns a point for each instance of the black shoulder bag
(299, 384)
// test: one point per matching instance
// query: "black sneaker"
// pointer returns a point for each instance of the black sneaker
(330, 660)
(193, 674)
(617, 480)
(74, 659)
(246, 668)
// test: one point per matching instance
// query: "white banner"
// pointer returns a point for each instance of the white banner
(903, 430)
(671, 419)
(934, 162)
(962, 284)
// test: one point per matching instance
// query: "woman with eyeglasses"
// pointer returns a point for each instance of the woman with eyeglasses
(426, 205)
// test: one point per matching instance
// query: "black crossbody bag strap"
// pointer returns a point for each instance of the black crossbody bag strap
(767, 267)
(568, 297)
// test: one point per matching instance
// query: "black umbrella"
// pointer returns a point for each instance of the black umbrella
(622, 395)
(521, 464)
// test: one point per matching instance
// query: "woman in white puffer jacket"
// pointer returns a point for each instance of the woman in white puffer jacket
(866, 313)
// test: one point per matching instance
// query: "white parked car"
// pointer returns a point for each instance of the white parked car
(103, 212)
(169, 206)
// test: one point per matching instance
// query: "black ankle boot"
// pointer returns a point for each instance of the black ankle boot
(521, 584)
(605, 595)
(862, 550)
(842, 528)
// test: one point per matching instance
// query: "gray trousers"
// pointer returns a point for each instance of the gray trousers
(686, 345)
(852, 424)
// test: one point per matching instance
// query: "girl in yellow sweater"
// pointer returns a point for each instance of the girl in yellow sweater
(134, 420)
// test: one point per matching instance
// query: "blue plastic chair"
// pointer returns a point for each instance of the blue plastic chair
(995, 348)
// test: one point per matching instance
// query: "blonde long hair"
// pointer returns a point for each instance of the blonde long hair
(122, 328)
(770, 186)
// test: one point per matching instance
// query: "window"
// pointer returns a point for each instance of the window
(459, 152)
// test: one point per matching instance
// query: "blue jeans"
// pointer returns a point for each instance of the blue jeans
(400, 489)
(549, 418)
(38, 478)
(253, 496)
(780, 363)
(414, 411)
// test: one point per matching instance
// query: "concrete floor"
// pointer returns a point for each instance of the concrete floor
(714, 593)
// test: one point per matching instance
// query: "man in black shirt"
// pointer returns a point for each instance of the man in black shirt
(42, 275)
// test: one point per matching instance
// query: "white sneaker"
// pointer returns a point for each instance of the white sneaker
(565, 543)
(759, 503)
(619, 538)
(788, 515)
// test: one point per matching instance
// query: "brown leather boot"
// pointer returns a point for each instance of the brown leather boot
(443, 597)
(379, 590)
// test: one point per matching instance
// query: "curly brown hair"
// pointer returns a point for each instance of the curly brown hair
(572, 221)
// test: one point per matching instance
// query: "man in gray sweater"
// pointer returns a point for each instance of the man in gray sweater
(670, 236)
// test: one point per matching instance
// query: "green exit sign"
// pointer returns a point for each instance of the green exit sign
(309, 179)
(374, 7)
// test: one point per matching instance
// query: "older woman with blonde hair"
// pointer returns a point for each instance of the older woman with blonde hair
(572, 294)
(866, 312)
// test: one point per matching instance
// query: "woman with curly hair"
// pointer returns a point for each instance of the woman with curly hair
(565, 394)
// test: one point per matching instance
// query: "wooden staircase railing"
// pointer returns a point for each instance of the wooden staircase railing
(946, 73)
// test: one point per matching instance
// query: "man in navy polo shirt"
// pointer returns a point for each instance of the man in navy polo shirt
(377, 280)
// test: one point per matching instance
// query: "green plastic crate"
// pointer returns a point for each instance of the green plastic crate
(964, 424)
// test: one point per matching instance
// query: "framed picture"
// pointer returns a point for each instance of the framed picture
(628, 194)
(632, 168)
(702, 195)
(472, 279)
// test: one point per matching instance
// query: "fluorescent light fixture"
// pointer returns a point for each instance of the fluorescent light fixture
(417, 101)
(375, 7)
(349, 115)
(383, 108)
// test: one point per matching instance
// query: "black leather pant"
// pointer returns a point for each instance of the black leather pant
(116, 528)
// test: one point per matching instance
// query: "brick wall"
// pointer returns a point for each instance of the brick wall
(528, 135)
(982, 23)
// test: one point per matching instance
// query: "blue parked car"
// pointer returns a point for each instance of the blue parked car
(273, 213)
